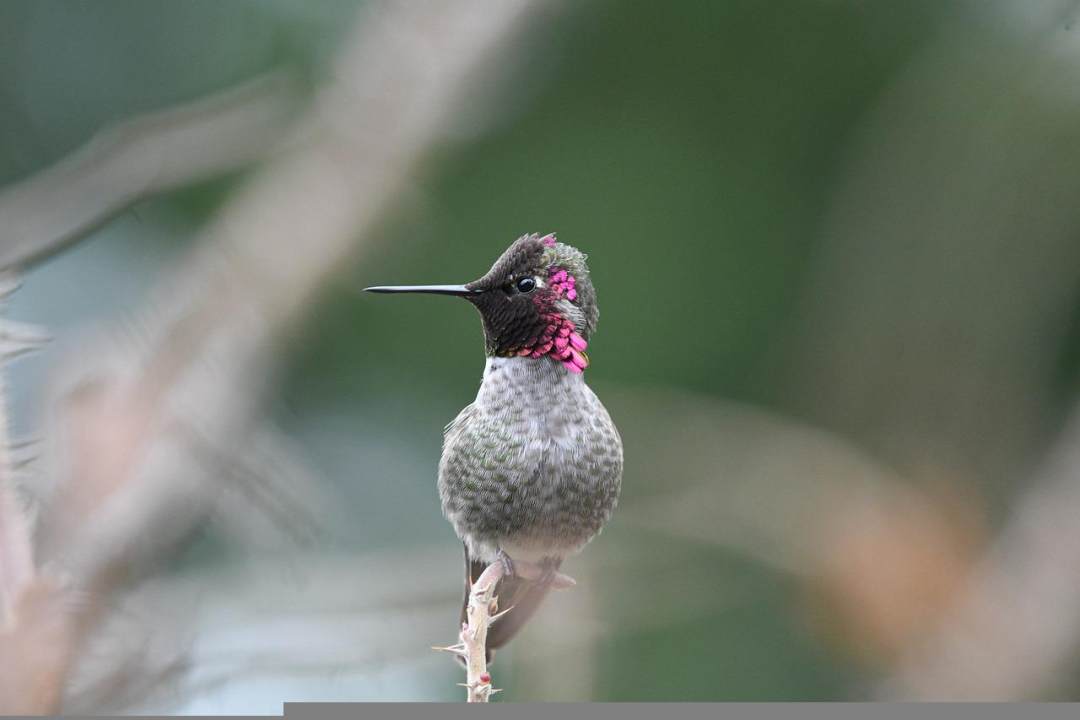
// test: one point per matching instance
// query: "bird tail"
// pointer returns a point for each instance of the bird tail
(522, 597)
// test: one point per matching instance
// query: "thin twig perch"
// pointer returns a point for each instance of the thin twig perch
(139, 157)
(481, 612)
(1016, 627)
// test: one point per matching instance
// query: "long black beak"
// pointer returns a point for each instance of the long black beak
(459, 290)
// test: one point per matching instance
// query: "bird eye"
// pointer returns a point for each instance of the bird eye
(526, 284)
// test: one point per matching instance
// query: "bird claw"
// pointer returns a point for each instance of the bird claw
(458, 650)
(507, 563)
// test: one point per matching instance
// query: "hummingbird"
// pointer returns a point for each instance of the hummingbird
(531, 470)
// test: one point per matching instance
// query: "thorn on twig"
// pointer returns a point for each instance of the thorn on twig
(496, 616)
(458, 649)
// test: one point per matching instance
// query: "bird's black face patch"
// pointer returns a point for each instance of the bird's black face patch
(511, 312)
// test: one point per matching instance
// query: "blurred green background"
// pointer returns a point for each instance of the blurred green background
(847, 220)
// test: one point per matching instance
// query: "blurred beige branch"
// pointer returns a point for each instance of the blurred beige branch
(1017, 625)
(900, 573)
(329, 618)
(876, 558)
(137, 158)
(126, 482)
(939, 308)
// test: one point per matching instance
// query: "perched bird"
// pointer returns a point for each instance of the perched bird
(531, 470)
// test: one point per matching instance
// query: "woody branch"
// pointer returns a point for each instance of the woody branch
(481, 612)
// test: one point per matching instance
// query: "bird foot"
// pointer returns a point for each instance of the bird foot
(544, 572)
